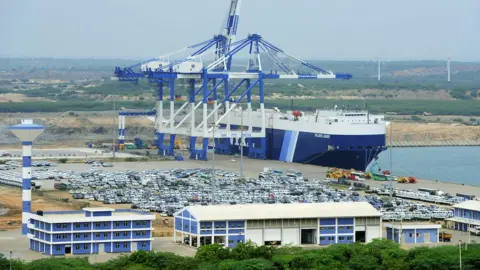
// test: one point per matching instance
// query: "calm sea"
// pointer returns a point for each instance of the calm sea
(448, 164)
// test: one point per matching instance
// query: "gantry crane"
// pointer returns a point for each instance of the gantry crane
(165, 70)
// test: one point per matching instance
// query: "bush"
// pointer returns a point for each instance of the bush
(62, 160)
(415, 118)
(459, 120)
(131, 159)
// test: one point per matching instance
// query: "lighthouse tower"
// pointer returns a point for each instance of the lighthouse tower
(27, 132)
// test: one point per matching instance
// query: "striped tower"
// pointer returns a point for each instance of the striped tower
(27, 132)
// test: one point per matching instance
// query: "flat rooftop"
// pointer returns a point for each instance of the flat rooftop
(282, 211)
(413, 226)
(80, 215)
(469, 205)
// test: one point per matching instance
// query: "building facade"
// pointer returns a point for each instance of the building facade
(413, 233)
(90, 231)
(466, 216)
(278, 224)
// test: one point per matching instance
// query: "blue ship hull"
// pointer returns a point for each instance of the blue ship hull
(340, 151)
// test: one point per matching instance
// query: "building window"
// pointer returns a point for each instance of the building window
(117, 234)
(144, 233)
(77, 225)
(230, 241)
(125, 233)
(330, 228)
(77, 236)
(64, 236)
(85, 246)
(105, 234)
(125, 223)
(144, 245)
(117, 224)
(117, 245)
(341, 238)
(105, 224)
(350, 238)
(97, 224)
(85, 225)
(97, 235)
(64, 226)
(85, 235)
(331, 238)
(410, 234)
(77, 247)
(125, 245)
(57, 248)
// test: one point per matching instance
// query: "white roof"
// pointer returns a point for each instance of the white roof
(99, 209)
(282, 211)
(412, 226)
(469, 205)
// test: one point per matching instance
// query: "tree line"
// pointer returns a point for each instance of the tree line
(377, 255)
(377, 106)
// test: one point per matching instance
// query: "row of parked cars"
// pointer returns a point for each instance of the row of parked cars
(166, 191)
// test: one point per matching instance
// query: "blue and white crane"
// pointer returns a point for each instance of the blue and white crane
(211, 75)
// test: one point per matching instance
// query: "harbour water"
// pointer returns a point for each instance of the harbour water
(458, 165)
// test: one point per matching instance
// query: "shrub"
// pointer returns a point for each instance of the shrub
(62, 160)
(415, 118)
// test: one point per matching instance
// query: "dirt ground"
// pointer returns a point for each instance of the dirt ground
(11, 198)
(415, 132)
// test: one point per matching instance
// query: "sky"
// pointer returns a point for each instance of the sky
(309, 29)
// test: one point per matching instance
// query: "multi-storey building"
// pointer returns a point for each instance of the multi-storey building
(91, 230)
(466, 216)
(278, 224)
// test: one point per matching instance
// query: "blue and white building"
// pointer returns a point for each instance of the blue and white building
(90, 231)
(466, 216)
(413, 233)
(278, 224)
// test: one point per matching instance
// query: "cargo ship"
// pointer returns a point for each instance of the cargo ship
(339, 138)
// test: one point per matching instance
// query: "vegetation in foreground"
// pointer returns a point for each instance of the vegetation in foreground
(380, 254)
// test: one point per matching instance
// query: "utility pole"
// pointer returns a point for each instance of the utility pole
(114, 125)
(10, 260)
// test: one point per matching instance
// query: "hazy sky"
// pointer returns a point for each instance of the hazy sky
(311, 29)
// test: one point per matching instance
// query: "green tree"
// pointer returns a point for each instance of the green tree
(60, 264)
(212, 253)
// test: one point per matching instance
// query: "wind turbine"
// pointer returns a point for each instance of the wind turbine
(448, 68)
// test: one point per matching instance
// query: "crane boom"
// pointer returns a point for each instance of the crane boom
(229, 33)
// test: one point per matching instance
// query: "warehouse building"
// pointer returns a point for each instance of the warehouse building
(90, 231)
(466, 216)
(278, 224)
(413, 233)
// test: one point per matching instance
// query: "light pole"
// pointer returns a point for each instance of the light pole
(113, 139)
(213, 167)
(10, 260)
(391, 149)
(460, 252)
(27, 132)
(241, 141)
